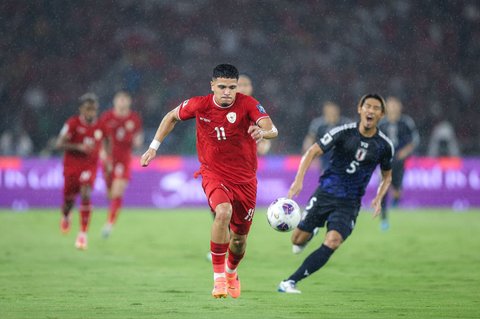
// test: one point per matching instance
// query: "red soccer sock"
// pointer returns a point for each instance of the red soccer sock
(115, 206)
(233, 259)
(85, 212)
(218, 256)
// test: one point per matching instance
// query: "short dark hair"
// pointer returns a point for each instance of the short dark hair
(373, 96)
(87, 98)
(226, 71)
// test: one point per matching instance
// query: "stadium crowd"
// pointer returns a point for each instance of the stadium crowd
(299, 54)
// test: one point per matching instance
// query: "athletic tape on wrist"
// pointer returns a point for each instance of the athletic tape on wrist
(155, 144)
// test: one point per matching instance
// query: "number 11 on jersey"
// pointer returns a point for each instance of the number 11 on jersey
(220, 133)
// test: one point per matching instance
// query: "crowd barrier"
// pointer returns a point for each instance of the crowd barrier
(168, 182)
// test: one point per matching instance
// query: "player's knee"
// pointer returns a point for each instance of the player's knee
(239, 242)
(300, 237)
(333, 240)
(223, 213)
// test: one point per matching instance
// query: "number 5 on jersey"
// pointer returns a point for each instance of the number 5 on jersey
(220, 133)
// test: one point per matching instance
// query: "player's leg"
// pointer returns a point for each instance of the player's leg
(87, 179)
(307, 228)
(219, 243)
(398, 170)
(242, 216)
(70, 189)
(340, 226)
(236, 251)
(119, 185)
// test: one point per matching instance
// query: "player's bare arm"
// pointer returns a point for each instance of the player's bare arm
(405, 151)
(63, 143)
(307, 158)
(166, 126)
(265, 129)
(138, 140)
(382, 190)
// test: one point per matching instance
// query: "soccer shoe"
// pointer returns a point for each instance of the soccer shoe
(233, 285)
(65, 225)
(384, 225)
(297, 249)
(107, 230)
(288, 286)
(81, 242)
(220, 288)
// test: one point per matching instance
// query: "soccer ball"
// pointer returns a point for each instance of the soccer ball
(283, 214)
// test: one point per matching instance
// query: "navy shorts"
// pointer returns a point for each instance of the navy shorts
(339, 214)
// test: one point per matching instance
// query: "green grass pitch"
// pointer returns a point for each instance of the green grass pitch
(153, 266)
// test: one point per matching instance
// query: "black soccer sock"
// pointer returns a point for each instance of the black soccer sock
(312, 263)
(383, 215)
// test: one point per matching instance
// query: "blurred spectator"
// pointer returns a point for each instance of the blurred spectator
(300, 51)
(16, 143)
(443, 141)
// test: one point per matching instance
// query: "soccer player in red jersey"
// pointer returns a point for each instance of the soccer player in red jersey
(123, 129)
(80, 138)
(228, 126)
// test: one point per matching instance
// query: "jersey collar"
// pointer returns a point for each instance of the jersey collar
(222, 107)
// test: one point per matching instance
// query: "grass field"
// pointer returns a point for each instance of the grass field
(153, 266)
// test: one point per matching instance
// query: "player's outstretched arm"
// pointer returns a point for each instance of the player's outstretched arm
(307, 158)
(382, 190)
(63, 143)
(166, 126)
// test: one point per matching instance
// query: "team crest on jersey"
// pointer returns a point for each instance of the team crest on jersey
(129, 125)
(232, 117)
(98, 134)
(260, 108)
(360, 154)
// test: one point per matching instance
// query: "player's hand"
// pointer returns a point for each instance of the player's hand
(84, 148)
(377, 206)
(148, 156)
(295, 189)
(256, 133)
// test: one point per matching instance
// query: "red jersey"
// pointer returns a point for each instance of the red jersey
(121, 132)
(78, 131)
(224, 146)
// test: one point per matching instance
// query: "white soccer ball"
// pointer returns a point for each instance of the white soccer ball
(283, 214)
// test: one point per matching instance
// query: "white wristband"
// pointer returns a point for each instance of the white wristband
(155, 144)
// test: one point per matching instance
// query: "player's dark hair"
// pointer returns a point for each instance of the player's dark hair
(87, 98)
(373, 96)
(226, 71)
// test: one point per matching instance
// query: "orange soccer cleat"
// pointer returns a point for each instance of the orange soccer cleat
(81, 242)
(233, 285)
(220, 288)
(65, 225)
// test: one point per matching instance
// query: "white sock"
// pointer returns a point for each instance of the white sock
(230, 271)
(218, 275)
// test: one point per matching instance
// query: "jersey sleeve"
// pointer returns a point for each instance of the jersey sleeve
(414, 136)
(188, 108)
(102, 123)
(255, 110)
(387, 158)
(332, 137)
(68, 128)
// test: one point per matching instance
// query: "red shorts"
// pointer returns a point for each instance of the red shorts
(74, 180)
(242, 197)
(118, 170)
